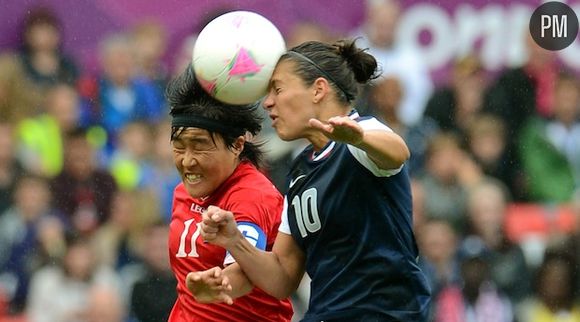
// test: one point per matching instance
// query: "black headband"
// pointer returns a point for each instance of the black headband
(192, 120)
(327, 75)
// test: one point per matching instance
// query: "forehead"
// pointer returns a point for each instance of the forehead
(194, 133)
(285, 72)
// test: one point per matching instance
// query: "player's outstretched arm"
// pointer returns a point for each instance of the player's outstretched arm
(386, 149)
(278, 273)
(216, 285)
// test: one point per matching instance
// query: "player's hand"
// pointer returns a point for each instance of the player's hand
(340, 128)
(210, 286)
(219, 227)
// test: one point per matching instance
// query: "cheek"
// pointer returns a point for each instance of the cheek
(177, 160)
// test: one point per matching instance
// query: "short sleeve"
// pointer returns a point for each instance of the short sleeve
(372, 124)
(284, 225)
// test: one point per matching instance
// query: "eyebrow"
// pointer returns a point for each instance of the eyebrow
(273, 82)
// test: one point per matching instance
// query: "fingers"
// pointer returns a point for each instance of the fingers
(332, 123)
(215, 217)
(212, 220)
(341, 121)
(211, 278)
(209, 286)
(317, 124)
(225, 298)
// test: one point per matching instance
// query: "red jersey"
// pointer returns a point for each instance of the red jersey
(253, 199)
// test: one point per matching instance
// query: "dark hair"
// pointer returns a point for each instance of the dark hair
(186, 97)
(76, 133)
(557, 256)
(39, 16)
(343, 64)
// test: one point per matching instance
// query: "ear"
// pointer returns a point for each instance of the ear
(321, 88)
(238, 145)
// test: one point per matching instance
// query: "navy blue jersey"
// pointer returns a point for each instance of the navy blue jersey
(354, 223)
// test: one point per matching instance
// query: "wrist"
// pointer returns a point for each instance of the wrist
(360, 143)
(235, 241)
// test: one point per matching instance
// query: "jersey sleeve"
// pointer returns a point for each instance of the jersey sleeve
(362, 157)
(254, 207)
(284, 225)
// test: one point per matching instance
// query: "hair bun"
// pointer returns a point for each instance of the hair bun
(363, 65)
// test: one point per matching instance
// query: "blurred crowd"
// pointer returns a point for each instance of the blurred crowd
(87, 175)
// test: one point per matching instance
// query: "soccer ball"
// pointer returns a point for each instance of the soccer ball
(234, 56)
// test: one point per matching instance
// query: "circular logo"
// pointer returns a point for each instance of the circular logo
(554, 25)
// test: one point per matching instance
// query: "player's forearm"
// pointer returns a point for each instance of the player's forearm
(386, 149)
(264, 269)
(240, 283)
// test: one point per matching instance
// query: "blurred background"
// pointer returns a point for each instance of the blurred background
(86, 172)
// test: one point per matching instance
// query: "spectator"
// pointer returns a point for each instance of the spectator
(379, 33)
(41, 137)
(438, 243)
(20, 246)
(487, 143)
(476, 299)
(508, 268)
(121, 96)
(130, 163)
(150, 42)
(61, 293)
(524, 91)
(554, 297)
(82, 192)
(42, 57)
(156, 278)
(455, 107)
(105, 305)
(116, 242)
(549, 149)
(385, 99)
(446, 194)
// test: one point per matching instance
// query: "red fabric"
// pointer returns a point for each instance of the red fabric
(450, 306)
(545, 83)
(252, 198)
(523, 219)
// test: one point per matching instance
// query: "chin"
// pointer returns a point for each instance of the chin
(195, 192)
(286, 137)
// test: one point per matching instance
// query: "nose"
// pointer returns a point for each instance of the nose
(268, 101)
(189, 158)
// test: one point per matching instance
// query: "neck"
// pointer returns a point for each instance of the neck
(318, 141)
(326, 110)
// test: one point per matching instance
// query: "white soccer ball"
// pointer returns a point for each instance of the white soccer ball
(235, 54)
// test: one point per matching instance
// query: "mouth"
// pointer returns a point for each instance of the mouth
(273, 118)
(191, 178)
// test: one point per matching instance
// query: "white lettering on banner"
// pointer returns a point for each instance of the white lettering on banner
(495, 31)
